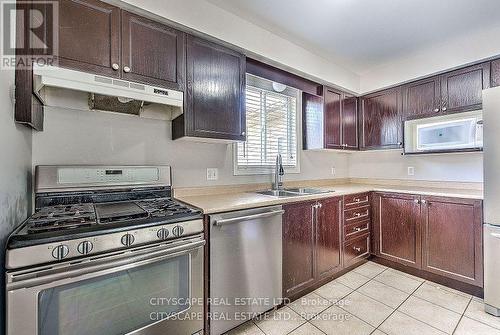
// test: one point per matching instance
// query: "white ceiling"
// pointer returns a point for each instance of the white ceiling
(363, 34)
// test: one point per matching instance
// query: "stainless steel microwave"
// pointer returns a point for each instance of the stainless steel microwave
(451, 132)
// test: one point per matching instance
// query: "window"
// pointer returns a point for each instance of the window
(271, 113)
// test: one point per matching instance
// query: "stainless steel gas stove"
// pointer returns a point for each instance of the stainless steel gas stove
(108, 239)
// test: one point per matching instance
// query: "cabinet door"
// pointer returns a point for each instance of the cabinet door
(298, 247)
(312, 121)
(452, 238)
(329, 217)
(152, 52)
(350, 122)
(333, 119)
(422, 98)
(495, 73)
(214, 111)
(381, 120)
(397, 228)
(89, 36)
(461, 90)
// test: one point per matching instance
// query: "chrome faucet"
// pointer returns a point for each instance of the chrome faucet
(279, 172)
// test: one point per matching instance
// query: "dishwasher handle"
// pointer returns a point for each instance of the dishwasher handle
(223, 222)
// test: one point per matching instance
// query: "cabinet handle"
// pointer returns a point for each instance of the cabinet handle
(126, 69)
(357, 249)
(115, 66)
(357, 215)
(416, 201)
(243, 133)
(424, 202)
(436, 110)
(444, 109)
(400, 143)
(357, 199)
(357, 229)
(320, 205)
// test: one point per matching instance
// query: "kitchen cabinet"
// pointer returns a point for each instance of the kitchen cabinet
(381, 120)
(330, 121)
(422, 98)
(439, 235)
(312, 121)
(452, 238)
(333, 119)
(311, 243)
(215, 93)
(152, 53)
(350, 122)
(397, 228)
(495, 73)
(328, 218)
(89, 36)
(356, 228)
(461, 90)
(97, 37)
(298, 247)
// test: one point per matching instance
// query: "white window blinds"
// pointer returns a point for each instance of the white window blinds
(271, 126)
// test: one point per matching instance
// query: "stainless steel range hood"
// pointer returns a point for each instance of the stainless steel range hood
(105, 93)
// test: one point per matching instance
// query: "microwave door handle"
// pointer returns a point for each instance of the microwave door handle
(68, 277)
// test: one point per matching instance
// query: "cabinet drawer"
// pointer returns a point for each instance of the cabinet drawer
(357, 214)
(356, 229)
(356, 200)
(356, 249)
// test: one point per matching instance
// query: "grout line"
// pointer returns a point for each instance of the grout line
(433, 303)
(312, 324)
(461, 317)
(396, 309)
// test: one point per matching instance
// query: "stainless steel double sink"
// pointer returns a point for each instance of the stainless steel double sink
(294, 192)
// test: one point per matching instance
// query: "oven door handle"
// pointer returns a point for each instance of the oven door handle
(64, 276)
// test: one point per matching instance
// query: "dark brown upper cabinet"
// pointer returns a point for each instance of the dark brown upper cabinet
(495, 73)
(461, 90)
(350, 122)
(215, 93)
(422, 98)
(331, 121)
(89, 36)
(381, 120)
(152, 52)
(313, 136)
(99, 38)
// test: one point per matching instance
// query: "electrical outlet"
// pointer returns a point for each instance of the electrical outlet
(411, 171)
(333, 171)
(212, 173)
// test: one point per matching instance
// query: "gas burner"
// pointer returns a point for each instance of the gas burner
(61, 217)
(164, 207)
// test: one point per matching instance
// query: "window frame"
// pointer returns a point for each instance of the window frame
(265, 170)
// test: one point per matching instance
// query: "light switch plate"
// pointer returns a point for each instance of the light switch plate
(212, 173)
(333, 171)
(411, 171)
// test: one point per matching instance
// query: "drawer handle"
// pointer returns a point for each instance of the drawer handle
(357, 249)
(357, 200)
(357, 215)
(357, 229)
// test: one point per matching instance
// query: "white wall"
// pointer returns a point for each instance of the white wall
(83, 137)
(464, 167)
(205, 17)
(15, 168)
(475, 46)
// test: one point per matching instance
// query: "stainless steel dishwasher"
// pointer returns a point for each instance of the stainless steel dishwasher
(245, 265)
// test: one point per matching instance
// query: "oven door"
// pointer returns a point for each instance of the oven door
(153, 290)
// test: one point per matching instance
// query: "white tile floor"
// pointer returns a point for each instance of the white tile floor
(373, 299)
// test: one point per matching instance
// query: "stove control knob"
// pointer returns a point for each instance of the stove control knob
(128, 240)
(85, 247)
(60, 252)
(177, 231)
(162, 233)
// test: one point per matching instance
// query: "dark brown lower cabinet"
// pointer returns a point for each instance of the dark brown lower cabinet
(452, 238)
(311, 243)
(440, 235)
(397, 228)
